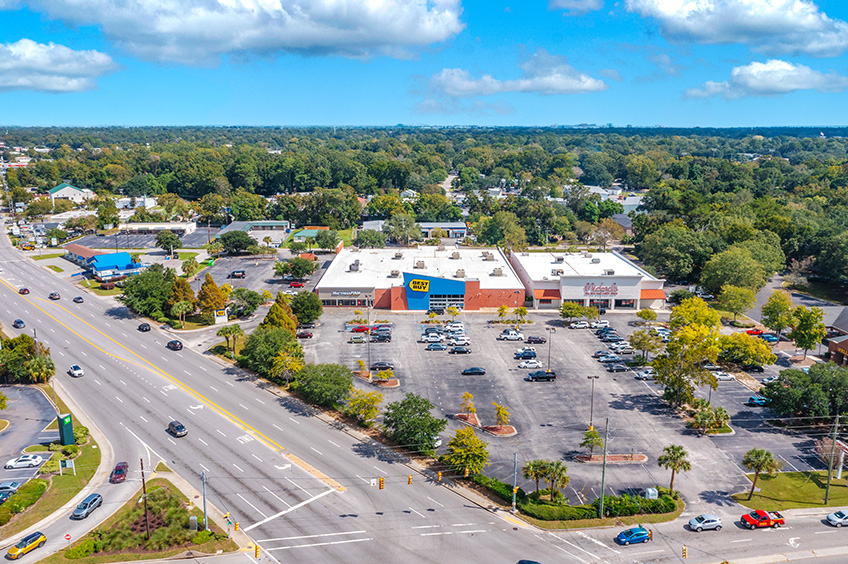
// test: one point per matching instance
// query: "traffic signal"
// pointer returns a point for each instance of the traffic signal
(515, 490)
(256, 551)
(409, 480)
(237, 525)
(381, 482)
(465, 475)
(685, 552)
(438, 476)
(650, 534)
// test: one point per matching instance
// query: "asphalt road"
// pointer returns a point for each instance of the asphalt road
(302, 486)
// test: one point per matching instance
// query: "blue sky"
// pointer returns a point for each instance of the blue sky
(721, 63)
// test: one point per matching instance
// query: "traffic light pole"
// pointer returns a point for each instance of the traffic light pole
(604, 470)
(514, 477)
(205, 519)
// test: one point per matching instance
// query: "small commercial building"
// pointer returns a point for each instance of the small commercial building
(65, 191)
(602, 280)
(79, 254)
(177, 228)
(103, 266)
(454, 229)
(420, 279)
(277, 230)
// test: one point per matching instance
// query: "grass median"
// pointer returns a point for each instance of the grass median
(794, 490)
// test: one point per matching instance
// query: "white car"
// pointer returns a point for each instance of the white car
(600, 323)
(432, 338)
(723, 376)
(525, 349)
(530, 364)
(462, 341)
(579, 325)
(511, 336)
(25, 461)
(647, 374)
(624, 350)
(76, 371)
(770, 379)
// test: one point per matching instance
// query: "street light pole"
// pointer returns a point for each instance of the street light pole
(592, 403)
(550, 341)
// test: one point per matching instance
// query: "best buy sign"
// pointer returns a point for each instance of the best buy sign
(419, 285)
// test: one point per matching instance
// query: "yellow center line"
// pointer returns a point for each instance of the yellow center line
(245, 426)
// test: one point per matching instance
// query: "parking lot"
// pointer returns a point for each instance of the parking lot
(552, 417)
(194, 240)
(259, 273)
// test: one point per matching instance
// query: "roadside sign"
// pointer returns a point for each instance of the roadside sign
(67, 537)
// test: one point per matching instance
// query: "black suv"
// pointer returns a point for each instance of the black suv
(144, 327)
(237, 274)
(175, 345)
(542, 375)
(177, 429)
(534, 340)
(381, 338)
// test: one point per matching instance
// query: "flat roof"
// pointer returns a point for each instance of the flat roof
(376, 265)
(539, 266)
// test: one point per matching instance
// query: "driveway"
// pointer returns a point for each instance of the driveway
(28, 412)
(776, 283)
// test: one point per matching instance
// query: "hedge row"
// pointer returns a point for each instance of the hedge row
(627, 505)
(23, 498)
(501, 489)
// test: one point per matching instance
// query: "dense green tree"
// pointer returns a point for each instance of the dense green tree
(280, 314)
(366, 238)
(107, 213)
(466, 452)
(410, 424)
(307, 307)
(363, 406)
(777, 312)
(327, 239)
(808, 329)
(236, 242)
(759, 460)
(821, 392)
(734, 267)
(675, 251)
(646, 341)
(591, 440)
(147, 293)
(245, 301)
(324, 384)
(297, 267)
(210, 299)
(247, 207)
(402, 228)
(167, 241)
(693, 311)
(264, 345)
(736, 300)
(745, 350)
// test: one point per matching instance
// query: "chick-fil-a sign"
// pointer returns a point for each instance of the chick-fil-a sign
(600, 290)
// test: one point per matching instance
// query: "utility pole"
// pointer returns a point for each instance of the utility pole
(604, 470)
(144, 496)
(830, 460)
(205, 520)
(514, 478)
(592, 402)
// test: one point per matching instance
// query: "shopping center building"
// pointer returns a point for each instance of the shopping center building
(602, 280)
(420, 279)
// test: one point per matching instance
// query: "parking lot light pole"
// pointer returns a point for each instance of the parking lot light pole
(550, 331)
(592, 403)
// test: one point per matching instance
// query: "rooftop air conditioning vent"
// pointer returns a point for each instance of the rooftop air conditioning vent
(525, 254)
(460, 273)
(354, 249)
(395, 274)
(454, 255)
(609, 272)
(498, 272)
(398, 256)
(441, 248)
(596, 260)
(557, 272)
(559, 259)
(490, 257)
(419, 264)
(354, 267)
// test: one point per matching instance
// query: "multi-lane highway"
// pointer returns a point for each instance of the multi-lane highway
(299, 486)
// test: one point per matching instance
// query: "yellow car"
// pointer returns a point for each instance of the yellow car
(31, 542)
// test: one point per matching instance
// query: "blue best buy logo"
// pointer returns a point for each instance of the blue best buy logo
(419, 285)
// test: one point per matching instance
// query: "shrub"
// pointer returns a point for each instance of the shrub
(501, 489)
(161, 319)
(55, 447)
(81, 550)
(107, 286)
(23, 498)
(626, 505)
(175, 323)
(202, 537)
(545, 511)
(80, 435)
(71, 451)
(49, 467)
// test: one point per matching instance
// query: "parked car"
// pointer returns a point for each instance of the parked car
(76, 371)
(754, 331)
(542, 375)
(23, 291)
(436, 330)
(474, 371)
(307, 335)
(525, 349)
(10, 487)
(177, 429)
(26, 545)
(617, 368)
(89, 504)
(78, 300)
(436, 347)
(753, 368)
(357, 339)
(237, 274)
(462, 341)
(525, 355)
(770, 379)
(711, 367)
(4, 497)
(624, 350)
(532, 339)
(460, 350)
(579, 325)
(119, 474)
(360, 329)
(144, 327)
(25, 461)
(838, 519)
(647, 374)
(612, 339)
(511, 336)
(382, 366)
(530, 364)
(757, 401)
(705, 522)
(603, 330)
(175, 345)
(296, 285)
(609, 358)
(381, 338)
(633, 536)
(19, 324)
(436, 310)
(306, 326)
(771, 339)
(433, 338)
(599, 354)
(759, 518)
(599, 323)
(54, 296)
(723, 376)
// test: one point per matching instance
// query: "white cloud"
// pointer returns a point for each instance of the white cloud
(543, 74)
(27, 65)
(772, 78)
(576, 7)
(769, 26)
(611, 74)
(200, 31)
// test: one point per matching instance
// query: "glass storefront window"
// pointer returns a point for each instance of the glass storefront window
(625, 304)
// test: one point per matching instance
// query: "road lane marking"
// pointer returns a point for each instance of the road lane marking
(98, 382)
(298, 422)
(122, 382)
(145, 399)
(172, 441)
(381, 471)
(260, 401)
(61, 353)
(287, 504)
(213, 388)
(143, 419)
(253, 506)
(332, 443)
(426, 527)
(230, 384)
(83, 353)
(317, 544)
(292, 508)
(316, 450)
(648, 552)
(142, 346)
(596, 541)
(742, 540)
(220, 433)
(243, 406)
(417, 513)
(475, 531)
(295, 484)
(277, 427)
(101, 367)
(256, 457)
(187, 372)
(434, 501)
(202, 441)
(119, 399)
(361, 478)
(324, 535)
(237, 468)
(204, 467)
(824, 532)
(436, 534)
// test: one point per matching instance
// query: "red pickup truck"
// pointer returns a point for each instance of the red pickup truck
(759, 518)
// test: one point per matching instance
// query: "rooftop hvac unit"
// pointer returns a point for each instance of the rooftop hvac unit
(609, 272)
(559, 259)
(585, 253)
(454, 255)
(497, 272)
(419, 264)
(596, 260)
(460, 273)
(398, 255)
(557, 272)
(489, 257)
(354, 249)
(395, 274)
(441, 248)
(525, 254)
(354, 267)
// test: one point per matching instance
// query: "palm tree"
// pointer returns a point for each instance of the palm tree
(558, 476)
(674, 457)
(231, 331)
(535, 470)
(180, 309)
(237, 332)
(280, 268)
(521, 312)
(40, 368)
(722, 417)
(760, 460)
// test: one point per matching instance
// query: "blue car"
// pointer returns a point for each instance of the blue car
(757, 401)
(634, 535)
(769, 338)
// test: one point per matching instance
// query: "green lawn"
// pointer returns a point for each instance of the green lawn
(220, 349)
(55, 268)
(95, 287)
(791, 490)
(49, 256)
(185, 255)
(346, 235)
